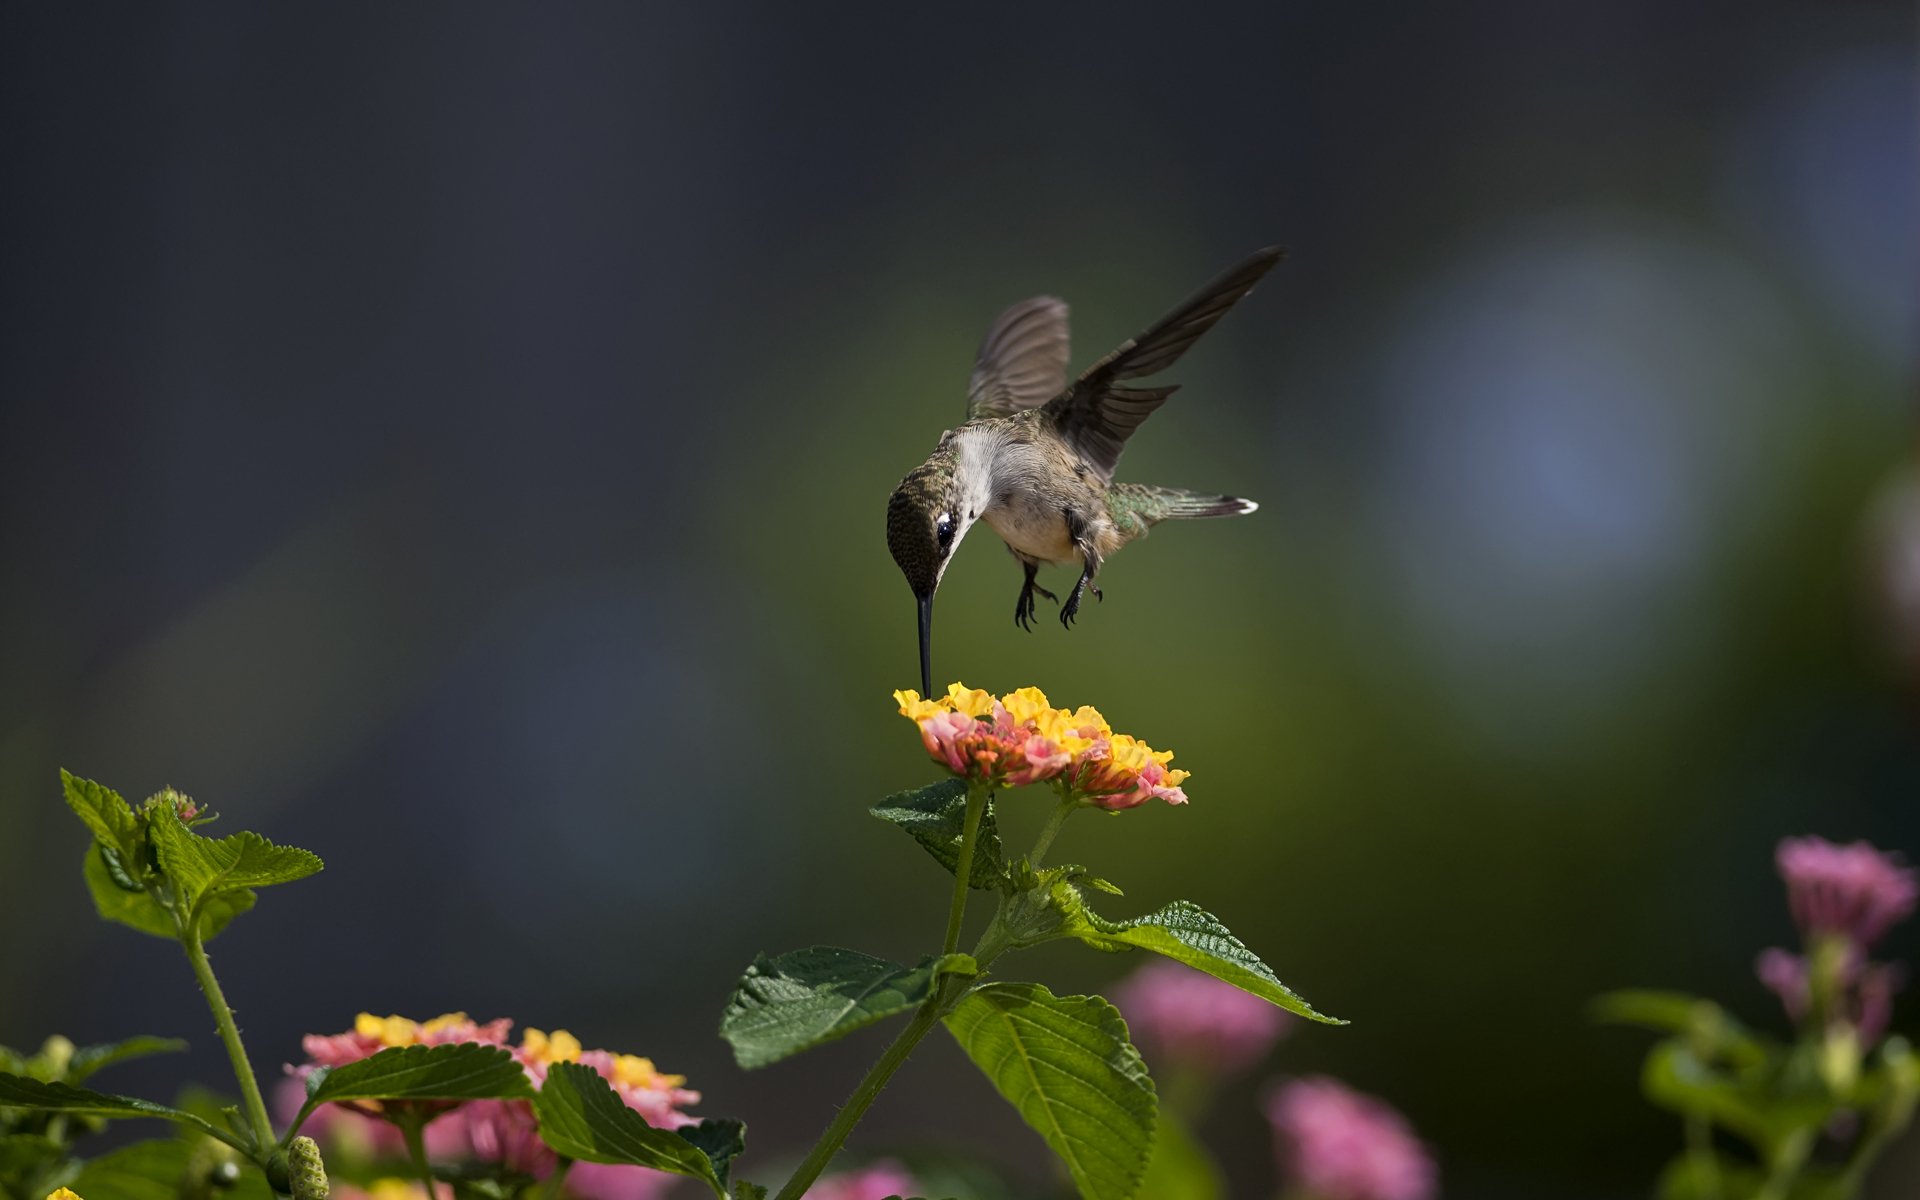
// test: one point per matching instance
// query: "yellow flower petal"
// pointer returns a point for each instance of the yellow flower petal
(558, 1047)
(63, 1194)
(914, 708)
(392, 1030)
(1027, 704)
(634, 1071)
(971, 701)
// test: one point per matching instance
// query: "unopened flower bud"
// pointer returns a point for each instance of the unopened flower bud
(306, 1174)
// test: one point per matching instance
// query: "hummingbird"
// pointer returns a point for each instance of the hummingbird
(1035, 457)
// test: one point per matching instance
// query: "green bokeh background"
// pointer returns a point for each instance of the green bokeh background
(455, 441)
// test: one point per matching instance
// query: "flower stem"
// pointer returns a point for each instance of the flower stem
(977, 797)
(1048, 832)
(255, 1108)
(1784, 1165)
(556, 1182)
(410, 1128)
(1700, 1161)
(836, 1134)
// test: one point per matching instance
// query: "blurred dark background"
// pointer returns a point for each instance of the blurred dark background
(455, 439)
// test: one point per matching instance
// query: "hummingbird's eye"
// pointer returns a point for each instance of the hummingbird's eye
(943, 530)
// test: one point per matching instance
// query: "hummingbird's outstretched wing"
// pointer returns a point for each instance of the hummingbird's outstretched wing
(1022, 361)
(1096, 417)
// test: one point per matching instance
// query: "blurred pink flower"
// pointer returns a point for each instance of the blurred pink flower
(1785, 975)
(1338, 1144)
(875, 1181)
(1190, 1017)
(1855, 891)
(1866, 990)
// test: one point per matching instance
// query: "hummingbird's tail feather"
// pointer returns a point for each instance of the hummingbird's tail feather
(1155, 504)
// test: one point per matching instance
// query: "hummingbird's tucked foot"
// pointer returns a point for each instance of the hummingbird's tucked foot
(1024, 607)
(1072, 609)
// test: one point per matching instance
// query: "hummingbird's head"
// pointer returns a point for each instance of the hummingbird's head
(923, 526)
(925, 522)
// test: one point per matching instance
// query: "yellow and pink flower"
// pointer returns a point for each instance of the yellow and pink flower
(495, 1131)
(1020, 738)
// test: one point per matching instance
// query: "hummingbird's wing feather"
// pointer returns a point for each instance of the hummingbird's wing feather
(1097, 417)
(1022, 361)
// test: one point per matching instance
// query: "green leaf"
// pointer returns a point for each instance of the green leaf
(202, 869)
(18, 1091)
(89, 1059)
(139, 910)
(103, 810)
(1065, 1063)
(1708, 1027)
(802, 999)
(1181, 1169)
(582, 1117)
(1186, 933)
(1751, 1103)
(936, 817)
(453, 1071)
(167, 1168)
(720, 1139)
(742, 1190)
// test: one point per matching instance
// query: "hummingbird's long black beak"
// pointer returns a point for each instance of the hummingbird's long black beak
(926, 646)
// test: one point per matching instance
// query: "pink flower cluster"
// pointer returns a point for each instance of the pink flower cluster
(875, 1181)
(1195, 1020)
(1855, 891)
(1864, 990)
(492, 1131)
(1020, 738)
(1337, 1144)
(1849, 895)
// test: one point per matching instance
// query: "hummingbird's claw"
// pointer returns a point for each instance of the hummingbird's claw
(1024, 608)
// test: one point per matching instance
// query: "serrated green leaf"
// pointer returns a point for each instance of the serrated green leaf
(721, 1139)
(202, 869)
(139, 910)
(103, 811)
(1181, 1169)
(1186, 933)
(1065, 1063)
(582, 1117)
(936, 817)
(807, 997)
(742, 1190)
(89, 1059)
(452, 1071)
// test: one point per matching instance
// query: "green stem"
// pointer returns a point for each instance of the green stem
(1066, 808)
(1701, 1163)
(836, 1134)
(1784, 1165)
(977, 796)
(556, 1182)
(255, 1107)
(410, 1128)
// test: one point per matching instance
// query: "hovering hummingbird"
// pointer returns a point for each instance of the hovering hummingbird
(1035, 457)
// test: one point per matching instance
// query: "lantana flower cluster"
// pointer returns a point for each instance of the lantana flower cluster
(1338, 1144)
(1196, 1022)
(495, 1131)
(1844, 899)
(1020, 738)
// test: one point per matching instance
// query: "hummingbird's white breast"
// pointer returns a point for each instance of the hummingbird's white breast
(1009, 477)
